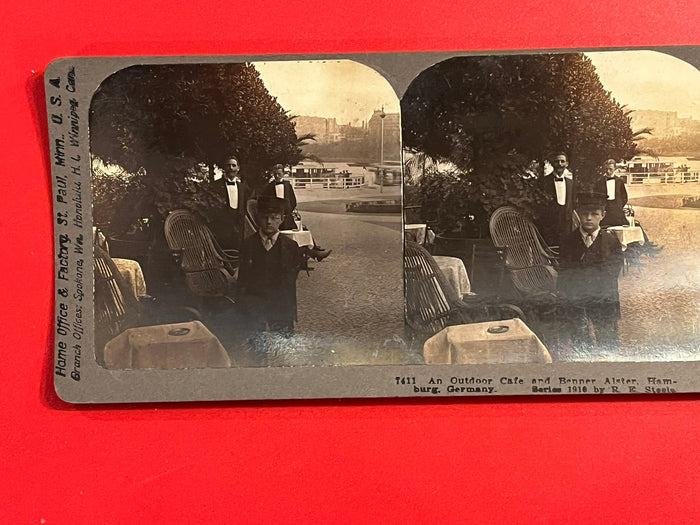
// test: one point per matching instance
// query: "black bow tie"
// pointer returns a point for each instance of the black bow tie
(231, 182)
(610, 178)
(559, 179)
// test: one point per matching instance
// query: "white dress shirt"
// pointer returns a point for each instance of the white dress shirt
(560, 185)
(232, 190)
(610, 186)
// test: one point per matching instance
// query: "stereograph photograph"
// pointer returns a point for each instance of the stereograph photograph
(561, 190)
(197, 167)
(488, 224)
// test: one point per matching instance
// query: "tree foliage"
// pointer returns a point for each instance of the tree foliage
(492, 116)
(167, 120)
(109, 188)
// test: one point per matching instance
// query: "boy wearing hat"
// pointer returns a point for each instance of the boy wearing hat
(590, 263)
(269, 265)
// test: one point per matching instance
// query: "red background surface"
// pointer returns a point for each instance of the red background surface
(612, 459)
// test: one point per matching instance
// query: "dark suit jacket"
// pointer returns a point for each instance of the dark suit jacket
(290, 203)
(227, 224)
(556, 221)
(267, 279)
(614, 209)
(588, 276)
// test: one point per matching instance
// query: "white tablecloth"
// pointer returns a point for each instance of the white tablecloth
(166, 347)
(454, 271)
(302, 237)
(509, 341)
(628, 234)
(419, 233)
(133, 275)
(415, 232)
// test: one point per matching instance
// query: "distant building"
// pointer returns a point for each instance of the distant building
(363, 141)
(353, 133)
(325, 129)
(328, 131)
(392, 135)
(664, 123)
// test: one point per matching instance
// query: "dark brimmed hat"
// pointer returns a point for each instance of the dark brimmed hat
(270, 204)
(591, 199)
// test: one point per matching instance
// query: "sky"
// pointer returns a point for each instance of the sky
(350, 91)
(650, 80)
(343, 89)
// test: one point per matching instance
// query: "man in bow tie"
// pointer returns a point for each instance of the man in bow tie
(280, 188)
(556, 218)
(227, 221)
(614, 187)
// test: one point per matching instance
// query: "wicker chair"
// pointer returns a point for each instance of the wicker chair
(116, 307)
(527, 259)
(432, 303)
(251, 214)
(209, 270)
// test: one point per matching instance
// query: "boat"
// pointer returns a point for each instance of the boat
(644, 170)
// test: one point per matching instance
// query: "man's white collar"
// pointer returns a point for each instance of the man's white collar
(566, 174)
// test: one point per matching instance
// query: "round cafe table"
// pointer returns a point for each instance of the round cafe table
(454, 271)
(415, 232)
(419, 233)
(302, 237)
(166, 347)
(627, 234)
(133, 275)
(509, 341)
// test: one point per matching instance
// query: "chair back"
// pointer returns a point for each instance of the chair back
(116, 306)
(251, 214)
(430, 299)
(525, 255)
(208, 270)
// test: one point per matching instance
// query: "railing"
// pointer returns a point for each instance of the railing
(663, 177)
(328, 182)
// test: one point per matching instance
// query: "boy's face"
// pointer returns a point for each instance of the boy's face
(590, 217)
(269, 222)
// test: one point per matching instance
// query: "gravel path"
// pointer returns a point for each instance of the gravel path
(661, 300)
(351, 304)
